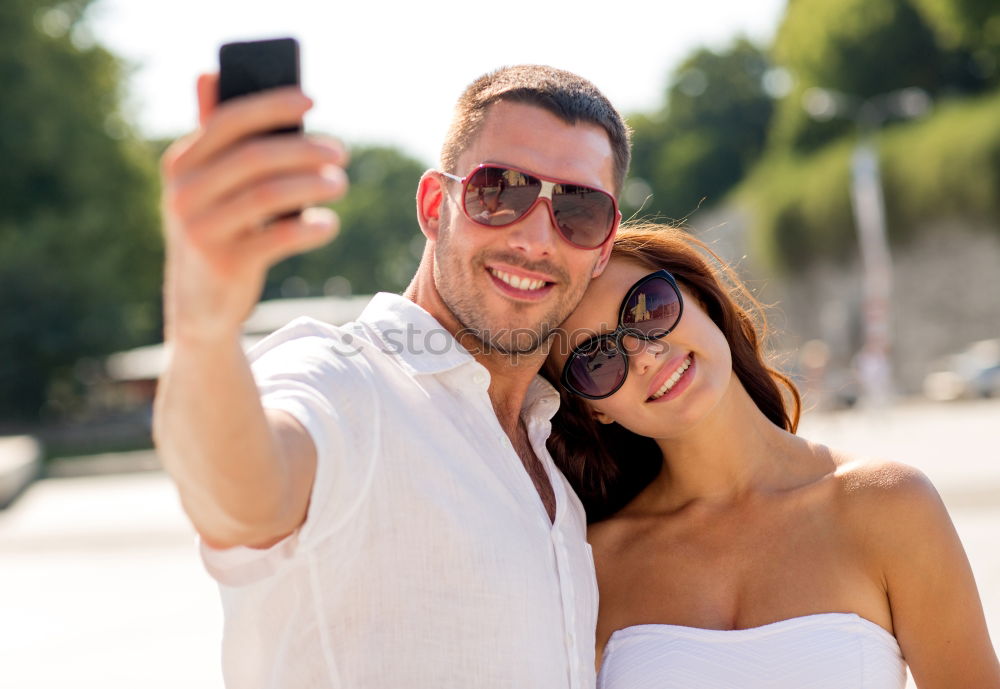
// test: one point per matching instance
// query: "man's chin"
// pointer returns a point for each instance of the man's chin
(506, 340)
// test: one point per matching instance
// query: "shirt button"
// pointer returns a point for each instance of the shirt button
(479, 378)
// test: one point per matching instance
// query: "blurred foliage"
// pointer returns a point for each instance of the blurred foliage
(801, 206)
(79, 248)
(379, 243)
(958, 174)
(802, 202)
(968, 25)
(705, 139)
(860, 48)
(734, 124)
(80, 251)
(80, 255)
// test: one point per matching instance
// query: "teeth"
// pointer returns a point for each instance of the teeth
(672, 380)
(517, 282)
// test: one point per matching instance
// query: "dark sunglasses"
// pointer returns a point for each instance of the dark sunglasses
(498, 195)
(650, 310)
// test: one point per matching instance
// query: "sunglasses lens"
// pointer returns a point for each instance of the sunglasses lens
(597, 369)
(498, 196)
(653, 309)
(585, 215)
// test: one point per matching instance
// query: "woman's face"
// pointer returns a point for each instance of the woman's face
(673, 382)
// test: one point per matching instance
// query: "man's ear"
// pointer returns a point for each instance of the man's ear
(430, 197)
(605, 255)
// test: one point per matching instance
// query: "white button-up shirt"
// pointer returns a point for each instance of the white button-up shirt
(427, 559)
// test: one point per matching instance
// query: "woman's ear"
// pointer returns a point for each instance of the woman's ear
(601, 417)
(430, 197)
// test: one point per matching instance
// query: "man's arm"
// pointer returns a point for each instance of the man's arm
(244, 474)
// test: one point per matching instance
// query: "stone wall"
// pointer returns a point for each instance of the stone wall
(946, 295)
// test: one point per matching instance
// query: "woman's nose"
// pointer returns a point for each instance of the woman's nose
(644, 353)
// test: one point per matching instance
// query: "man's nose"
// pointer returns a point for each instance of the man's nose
(644, 353)
(535, 235)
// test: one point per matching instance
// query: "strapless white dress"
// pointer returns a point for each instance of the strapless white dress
(824, 651)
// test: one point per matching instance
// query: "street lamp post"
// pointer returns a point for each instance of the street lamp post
(868, 204)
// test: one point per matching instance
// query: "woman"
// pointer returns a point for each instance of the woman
(729, 551)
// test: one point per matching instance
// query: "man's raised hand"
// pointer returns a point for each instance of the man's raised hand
(222, 187)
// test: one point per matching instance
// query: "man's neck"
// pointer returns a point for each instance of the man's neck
(510, 378)
(510, 375)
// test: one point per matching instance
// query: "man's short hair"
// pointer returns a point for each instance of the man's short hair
(571, 98)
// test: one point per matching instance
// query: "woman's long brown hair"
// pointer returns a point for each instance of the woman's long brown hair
(609, 465)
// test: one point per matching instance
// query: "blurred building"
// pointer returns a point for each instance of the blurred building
(945, 299)
(117, 413)
(136, 371)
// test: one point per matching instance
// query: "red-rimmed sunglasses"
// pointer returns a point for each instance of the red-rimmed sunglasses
(498, 195)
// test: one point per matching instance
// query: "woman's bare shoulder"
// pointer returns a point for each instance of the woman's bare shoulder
(880, 479)
(909, 540)
(887, 498)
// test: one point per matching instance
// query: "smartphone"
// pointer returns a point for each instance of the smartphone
(251, 66)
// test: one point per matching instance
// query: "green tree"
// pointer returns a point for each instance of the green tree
(943, 165)
(711, 130)
(79, 247)
(379, 243)
(861, 48)
(969, 26)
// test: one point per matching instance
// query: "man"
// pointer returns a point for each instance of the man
(376, 500)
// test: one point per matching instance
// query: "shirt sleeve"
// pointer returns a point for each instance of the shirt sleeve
(321, 376)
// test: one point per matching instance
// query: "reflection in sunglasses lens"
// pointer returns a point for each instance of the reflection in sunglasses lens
(498, 196)
(599, 368)
(653, 309)
(584, 215)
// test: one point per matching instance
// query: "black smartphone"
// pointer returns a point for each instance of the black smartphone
(251, 66)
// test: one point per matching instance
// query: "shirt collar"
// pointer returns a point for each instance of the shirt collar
(541, 400)
(414, 337)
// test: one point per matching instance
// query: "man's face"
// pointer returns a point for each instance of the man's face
(475, 266)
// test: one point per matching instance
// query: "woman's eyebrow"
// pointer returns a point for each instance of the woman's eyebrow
(581, 335)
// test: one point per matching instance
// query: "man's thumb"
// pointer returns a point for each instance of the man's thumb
(208, 96)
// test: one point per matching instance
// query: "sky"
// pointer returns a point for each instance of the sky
(390, 72)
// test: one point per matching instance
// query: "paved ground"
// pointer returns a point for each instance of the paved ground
(100, 585)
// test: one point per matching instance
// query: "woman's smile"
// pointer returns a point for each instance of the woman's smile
(678, 379)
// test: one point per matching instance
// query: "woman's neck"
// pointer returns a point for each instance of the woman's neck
(734, 452)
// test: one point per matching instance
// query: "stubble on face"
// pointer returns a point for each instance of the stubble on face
(493, 321)
(461, 284)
